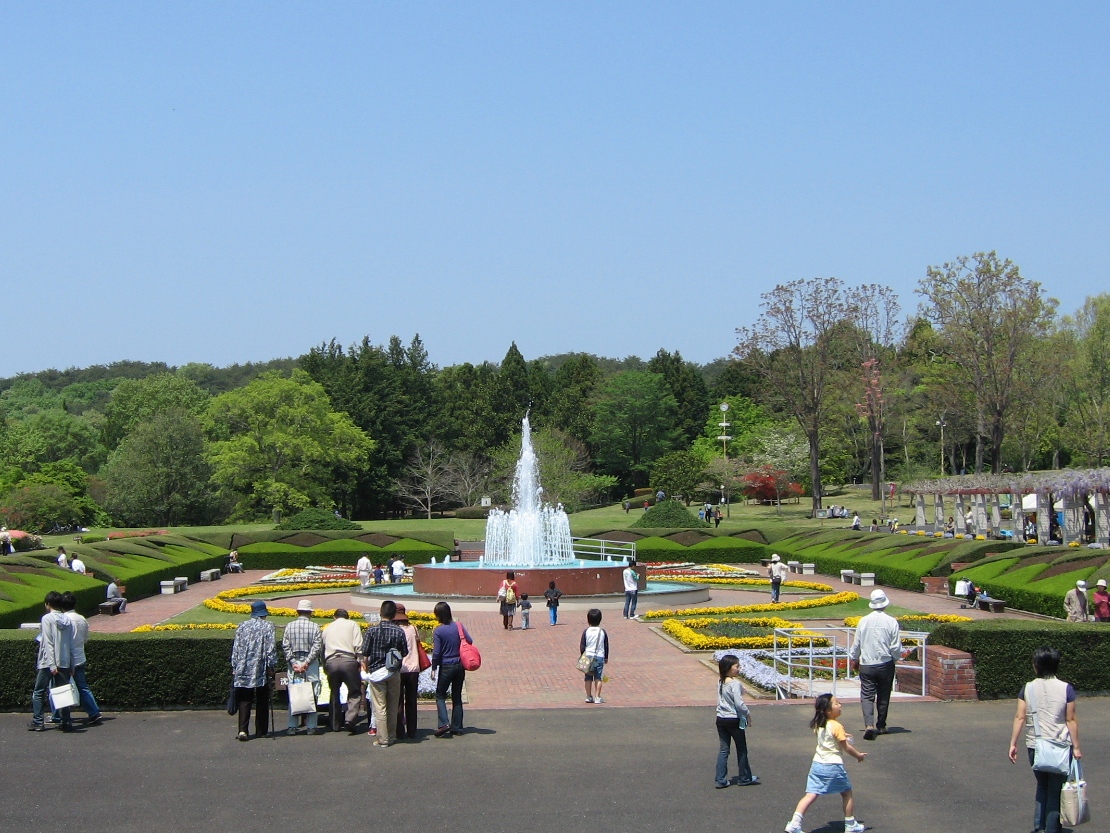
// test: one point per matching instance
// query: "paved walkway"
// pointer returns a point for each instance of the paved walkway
(156, 609)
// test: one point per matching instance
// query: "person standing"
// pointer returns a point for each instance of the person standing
(62, 558)
(631, 589)
(115, 594)
(342, 641)
(594, 644)
(856, 522)
(397, 568)
(525, 612)
(363, 569)
(55, 659)
(410, 676)
(1046, 709)
(6, 547)
(302, 643)
(552, 594)
(253, 660)
(733, 718)
(776, 572)
(1101, 601)
(875, 649)
(716, 518)
(1075, 602)
(379, 661)
(379, 575)
(77, 673)
(447, 666)
(507, 594)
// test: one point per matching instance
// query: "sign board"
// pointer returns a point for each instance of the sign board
(487, 502)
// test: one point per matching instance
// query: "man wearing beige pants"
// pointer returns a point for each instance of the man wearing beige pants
(383, 648)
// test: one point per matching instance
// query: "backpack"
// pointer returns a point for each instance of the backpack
(393, 661)
(510, 594)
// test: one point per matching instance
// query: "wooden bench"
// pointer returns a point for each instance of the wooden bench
(110, 607)
(209, 575)
(991, 605)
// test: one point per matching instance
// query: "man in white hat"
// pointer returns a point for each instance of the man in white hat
(875, 649)
(777, 571)
(1100, 601)
(1075, 602)
(302, 644)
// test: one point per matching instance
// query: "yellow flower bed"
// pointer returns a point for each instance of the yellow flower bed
(210, 626)
(745, 582)
(915, 619)
(801, 604)
(220, 602)
(687, 633)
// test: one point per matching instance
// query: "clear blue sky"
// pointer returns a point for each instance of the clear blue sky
(229, 182)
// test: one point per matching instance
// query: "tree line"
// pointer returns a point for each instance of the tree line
(831, 384)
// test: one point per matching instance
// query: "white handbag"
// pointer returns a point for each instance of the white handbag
(1074, 809)
(65, 696)
(302, 697)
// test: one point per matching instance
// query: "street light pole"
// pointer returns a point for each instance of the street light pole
(724, 438)
(941, 423)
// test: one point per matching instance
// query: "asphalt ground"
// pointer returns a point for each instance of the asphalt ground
(942, 768)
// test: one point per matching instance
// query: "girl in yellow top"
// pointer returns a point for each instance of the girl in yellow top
(826, 773)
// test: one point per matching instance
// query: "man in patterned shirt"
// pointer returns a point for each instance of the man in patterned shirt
(385, 681)
(302, 644)
(253, 660)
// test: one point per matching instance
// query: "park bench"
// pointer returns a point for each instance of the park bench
(110, 607)
(794, 566)
(862, 579)
(991, 605)
(210, 575)
(182, 583)
(809, 569)
(177, 585)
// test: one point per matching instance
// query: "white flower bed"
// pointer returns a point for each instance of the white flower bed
(765, 676)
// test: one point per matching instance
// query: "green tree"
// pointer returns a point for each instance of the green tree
(574, 388)
(137, 400)
(39, 507)
(159, 476)
(990, 319)
(278, 444)
(467, 419)
(688, 389)
(746, 421)
(1088, 418)
(634, 420)
(679, 473)
(52, 436)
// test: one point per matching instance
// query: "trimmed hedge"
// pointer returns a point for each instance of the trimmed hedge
(316, 518)
(225, 540)
(670, 514)
(1003, 651)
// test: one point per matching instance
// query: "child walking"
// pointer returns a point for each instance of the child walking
(733, 718)
(525, 611)
(826, 773)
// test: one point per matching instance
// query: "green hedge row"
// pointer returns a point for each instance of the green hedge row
(1003, 651)
(226, 539)
(719, 551)
(262, 559)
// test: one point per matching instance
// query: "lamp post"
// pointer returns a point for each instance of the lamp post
(941, 424)
(724, 438)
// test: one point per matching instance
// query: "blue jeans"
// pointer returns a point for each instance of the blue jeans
(775, 587)
(729, 732)
(450, 676)
(40, 697)
(1046, 804)
(553, 614)
(630, 603)
(88, 702)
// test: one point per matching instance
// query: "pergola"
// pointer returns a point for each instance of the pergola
(1083, 494)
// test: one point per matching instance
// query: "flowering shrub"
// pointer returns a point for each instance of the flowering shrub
(137, 534)
(221, 603)
(748, 582)
(916, 619)
(801, 604)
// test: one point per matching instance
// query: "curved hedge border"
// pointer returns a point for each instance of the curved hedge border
(1003, 651)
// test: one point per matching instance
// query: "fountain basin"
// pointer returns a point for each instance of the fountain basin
(476, 579)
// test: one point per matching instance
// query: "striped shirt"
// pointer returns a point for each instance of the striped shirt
(302, 641)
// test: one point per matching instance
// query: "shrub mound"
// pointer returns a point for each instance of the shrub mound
(670, 514)
(316, 518)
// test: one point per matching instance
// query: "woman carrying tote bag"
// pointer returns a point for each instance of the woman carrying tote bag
(1046, 714)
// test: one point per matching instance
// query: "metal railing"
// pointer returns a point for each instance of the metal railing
(597, 549)
(811, 660)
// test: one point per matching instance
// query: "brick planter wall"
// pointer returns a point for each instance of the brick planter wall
(909, 679)
(936, 585)
(950, 673)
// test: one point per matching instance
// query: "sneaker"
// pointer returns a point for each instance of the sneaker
(387, 744)
(373, 731)
(755, 782)
(443, 731)
(793, 827)
(854, 827)
(95, 721)
(243, 736)
(598, 700)
(291, 731)
(722, 786)
(869, 734)
(36, 727)
(589, 699)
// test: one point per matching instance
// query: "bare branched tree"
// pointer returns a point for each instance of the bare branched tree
(468, 477)
(426, 480)
(878, 329)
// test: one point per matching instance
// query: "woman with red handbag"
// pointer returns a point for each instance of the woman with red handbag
(415, 661)
(447, 663)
